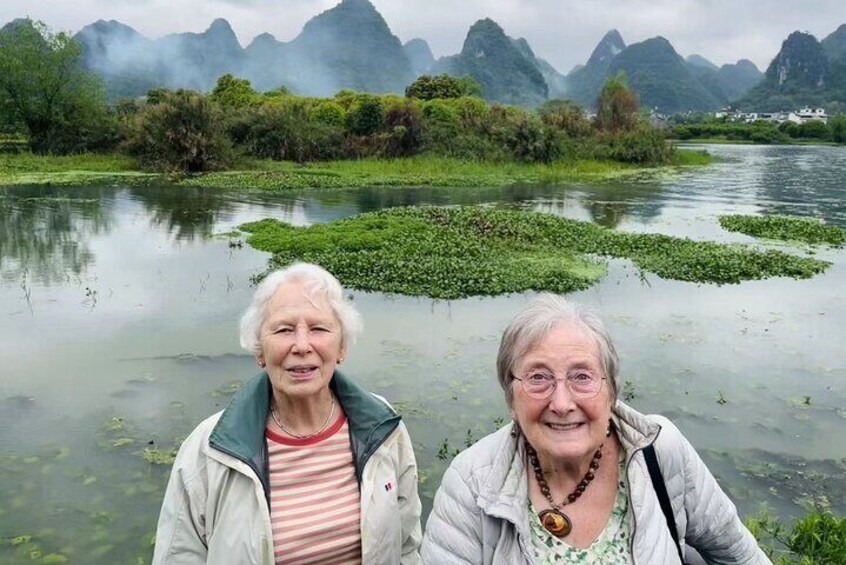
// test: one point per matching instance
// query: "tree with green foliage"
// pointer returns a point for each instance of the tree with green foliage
(617, 105)
(183, 132)
(837, 124)
(44, 87)
(233, 93)
(428, 87)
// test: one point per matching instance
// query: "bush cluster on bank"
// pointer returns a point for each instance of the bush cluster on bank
(762, 131)
(352, 125)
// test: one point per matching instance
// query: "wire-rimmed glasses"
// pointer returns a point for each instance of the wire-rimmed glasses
(581, 385)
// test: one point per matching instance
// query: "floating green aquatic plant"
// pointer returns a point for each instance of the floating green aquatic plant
(785, 228)
(458, 252)
(122, 441)
(156, 456)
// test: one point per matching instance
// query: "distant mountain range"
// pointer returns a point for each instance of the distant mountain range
(351, 47)
(806, 72)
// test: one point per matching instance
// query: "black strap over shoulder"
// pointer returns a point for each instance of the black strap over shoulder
(661, 491)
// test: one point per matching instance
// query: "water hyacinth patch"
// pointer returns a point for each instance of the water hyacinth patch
(470, 251)
(785, 228)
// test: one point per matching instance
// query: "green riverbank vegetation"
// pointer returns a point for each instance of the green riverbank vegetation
(458, 252)
(235, 128)
(818, 537)
(705, 127)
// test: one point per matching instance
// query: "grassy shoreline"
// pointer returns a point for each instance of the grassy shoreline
(726, 141)
(26, 168)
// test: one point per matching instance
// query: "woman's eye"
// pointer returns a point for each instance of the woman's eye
(581, 377)
(283, 330)
(539, 377)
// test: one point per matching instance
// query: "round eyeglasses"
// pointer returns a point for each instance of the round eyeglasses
(581, 385)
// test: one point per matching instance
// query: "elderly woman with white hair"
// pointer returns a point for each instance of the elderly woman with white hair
(578, 476)
(303, 466)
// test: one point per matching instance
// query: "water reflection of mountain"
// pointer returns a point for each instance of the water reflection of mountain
(44, 231)
(805, 181)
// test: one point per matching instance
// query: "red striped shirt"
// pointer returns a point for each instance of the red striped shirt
(315, 504)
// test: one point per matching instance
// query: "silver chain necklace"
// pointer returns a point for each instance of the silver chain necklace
(307, 436)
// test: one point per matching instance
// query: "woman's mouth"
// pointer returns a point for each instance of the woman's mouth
(302, 371)
(563, 427)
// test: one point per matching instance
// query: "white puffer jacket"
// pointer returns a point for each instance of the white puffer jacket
(480, 515)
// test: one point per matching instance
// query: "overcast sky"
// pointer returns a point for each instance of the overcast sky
(564, 32)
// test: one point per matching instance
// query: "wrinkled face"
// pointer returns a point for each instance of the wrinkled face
(300, 341)
(562, 428)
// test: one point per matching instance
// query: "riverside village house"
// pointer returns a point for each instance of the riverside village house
(797, 117)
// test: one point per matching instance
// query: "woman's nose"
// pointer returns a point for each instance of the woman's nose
(561, 399)
(302, 344)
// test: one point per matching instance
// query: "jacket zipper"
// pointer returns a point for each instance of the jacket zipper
(631, 505)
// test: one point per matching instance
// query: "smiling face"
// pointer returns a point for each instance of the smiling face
(562, 429)
(301, 341)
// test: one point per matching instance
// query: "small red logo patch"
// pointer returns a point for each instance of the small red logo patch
(389, 486)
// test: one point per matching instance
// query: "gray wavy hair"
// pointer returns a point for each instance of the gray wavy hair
(317, 280)
(534, 323)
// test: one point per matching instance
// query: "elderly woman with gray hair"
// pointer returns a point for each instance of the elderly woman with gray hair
(578, 476)
(303, 466)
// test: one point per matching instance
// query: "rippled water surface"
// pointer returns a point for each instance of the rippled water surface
(118, 312)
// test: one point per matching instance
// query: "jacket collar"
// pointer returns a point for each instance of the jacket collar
(240, 432)
(371, 419)
(634, 429)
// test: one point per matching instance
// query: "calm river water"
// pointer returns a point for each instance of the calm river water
(119, 307)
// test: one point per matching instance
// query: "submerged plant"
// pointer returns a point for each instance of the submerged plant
(470, 251)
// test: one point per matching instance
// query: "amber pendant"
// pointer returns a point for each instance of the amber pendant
(556, 522)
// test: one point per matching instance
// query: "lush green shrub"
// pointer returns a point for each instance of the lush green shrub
(819, 537)
(233, 93)
(285, 132)
(814, 129)
(157, 95)
(329, 112)
(442, 127)
(184, 132)
(472, 112)
(643, 146)
(838, 128)
(528, 140)
(429, 87)
(364, 116)
(403, 120)
(566, 116)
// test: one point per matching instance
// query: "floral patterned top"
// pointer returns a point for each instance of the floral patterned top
(612, 547)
